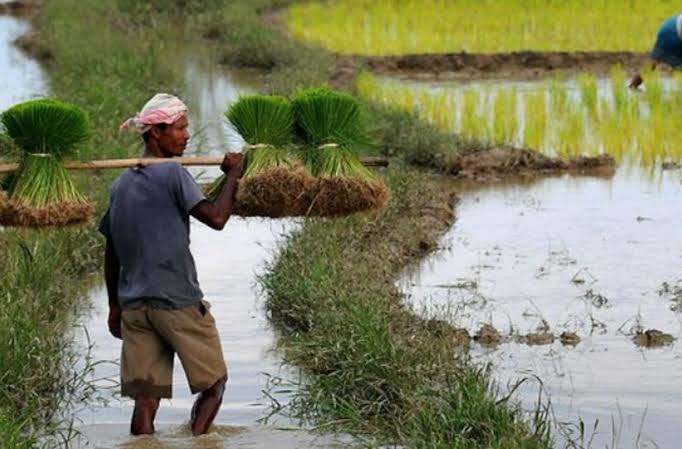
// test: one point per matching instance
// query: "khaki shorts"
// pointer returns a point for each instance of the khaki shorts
(151, 337)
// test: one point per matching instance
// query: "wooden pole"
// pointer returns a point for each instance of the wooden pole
(106, 164)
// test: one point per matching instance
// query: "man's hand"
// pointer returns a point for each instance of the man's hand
(114, 322)
(233, 163)
(636, 81)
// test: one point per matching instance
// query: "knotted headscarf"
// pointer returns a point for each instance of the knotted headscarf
(162, 108)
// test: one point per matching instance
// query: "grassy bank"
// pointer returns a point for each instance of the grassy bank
(42, 272)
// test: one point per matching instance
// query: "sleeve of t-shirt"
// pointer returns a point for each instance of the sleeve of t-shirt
(187, 192)
(105, 225)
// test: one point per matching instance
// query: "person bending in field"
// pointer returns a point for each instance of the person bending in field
(667, 49)
(155, 304)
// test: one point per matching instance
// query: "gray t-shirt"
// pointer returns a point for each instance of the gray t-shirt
(148, 223)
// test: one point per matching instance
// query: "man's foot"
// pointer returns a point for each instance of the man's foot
(206, 407)
(144, 413)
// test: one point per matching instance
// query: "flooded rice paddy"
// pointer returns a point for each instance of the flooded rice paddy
(571, 254)
(568, 117)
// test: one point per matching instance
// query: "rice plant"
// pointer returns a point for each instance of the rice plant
(262, 119)
(380, 27)
(266, 124)
(588, 90)
(535, 115)
(335, 126)
(42, 192)
(326, 116)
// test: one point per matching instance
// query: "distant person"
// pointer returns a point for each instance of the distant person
(668, 48)
(155, 304)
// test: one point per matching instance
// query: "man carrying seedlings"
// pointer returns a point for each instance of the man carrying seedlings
(155, 304)
(667, 49)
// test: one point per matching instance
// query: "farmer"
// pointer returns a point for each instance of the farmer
(668, 48)
(155, 304)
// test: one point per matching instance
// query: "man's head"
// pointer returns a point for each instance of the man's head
(163, 123)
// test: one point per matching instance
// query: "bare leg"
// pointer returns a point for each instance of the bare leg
(206, 407)
(144, 413)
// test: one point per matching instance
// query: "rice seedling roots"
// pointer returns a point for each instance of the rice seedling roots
(339, 195)
(13, 214)
(275, 193)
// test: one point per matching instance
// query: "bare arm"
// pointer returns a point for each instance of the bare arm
(112, 272)
(637, 80)
(215, 214)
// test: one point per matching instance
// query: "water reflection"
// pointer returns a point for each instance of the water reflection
(21, 78)
(522, 256)
(565, 117)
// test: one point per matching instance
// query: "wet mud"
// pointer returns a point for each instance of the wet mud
(18, 8)
(515, 65)
(653, 338)
(496, 163)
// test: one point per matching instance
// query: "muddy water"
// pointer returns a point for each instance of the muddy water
(227, 263)
(584, 255)
(20, 78)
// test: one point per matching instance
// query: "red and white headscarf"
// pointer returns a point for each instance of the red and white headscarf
(162, 108)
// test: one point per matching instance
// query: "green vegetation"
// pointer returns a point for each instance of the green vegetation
(371, 365)
(42, 272)
(587, 119)
(46, 131)
(388, 27)
(374, 367)
(334, 126)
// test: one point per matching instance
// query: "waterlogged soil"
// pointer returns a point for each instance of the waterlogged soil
(228, 263)
(560, 281)
(516, 65)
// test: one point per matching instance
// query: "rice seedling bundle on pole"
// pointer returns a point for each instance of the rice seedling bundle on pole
(334, 128)
(41, 192)
(274, 185)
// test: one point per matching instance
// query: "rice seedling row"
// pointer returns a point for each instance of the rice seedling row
(561, 117)
(489, 26)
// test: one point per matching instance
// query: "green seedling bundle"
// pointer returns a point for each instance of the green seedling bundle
(41, 192)
(274, 185)
(319, 175)
(333, 127)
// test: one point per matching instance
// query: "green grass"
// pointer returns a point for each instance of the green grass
(380, 27)
(373, 367)
(42, 273)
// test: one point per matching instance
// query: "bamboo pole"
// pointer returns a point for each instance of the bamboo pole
(106, 164)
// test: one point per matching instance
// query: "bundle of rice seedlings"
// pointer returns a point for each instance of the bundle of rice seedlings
(41, 193)
(274, 185)
(335, 128)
